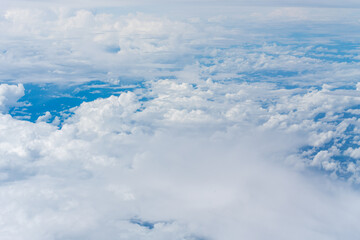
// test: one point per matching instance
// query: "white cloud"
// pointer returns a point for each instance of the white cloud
(65, 44)
(9, 95)
(207, 149)
(118, 159)
(355, 153)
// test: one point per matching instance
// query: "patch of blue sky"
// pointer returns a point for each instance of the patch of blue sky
(113, 49)
(345, 87)
(337, 51)
(269, 75)
(142, 223)
(59, 99)
(319, 116)
(354, 107)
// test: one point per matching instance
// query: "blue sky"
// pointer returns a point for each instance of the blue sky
(182, 120)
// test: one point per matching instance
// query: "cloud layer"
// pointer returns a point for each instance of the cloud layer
(235, 126)
(203, 162)
(185, 4)
(66, 45)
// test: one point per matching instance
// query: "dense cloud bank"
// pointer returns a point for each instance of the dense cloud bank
(204, 161)
(238, 126)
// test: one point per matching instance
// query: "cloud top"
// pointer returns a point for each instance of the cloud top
(232, 125)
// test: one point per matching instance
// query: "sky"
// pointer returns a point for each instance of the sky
(184, 120)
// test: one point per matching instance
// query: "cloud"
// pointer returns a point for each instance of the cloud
(118, 159)
(77, 45)
(244, 125)
(184, 4)
(9, 95)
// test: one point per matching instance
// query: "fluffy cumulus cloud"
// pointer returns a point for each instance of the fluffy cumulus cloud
(203, 162)
(218, 126)
(9, 95)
